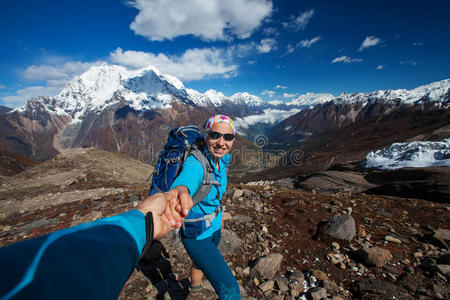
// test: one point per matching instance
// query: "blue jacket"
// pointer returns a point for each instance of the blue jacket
(191, 176)
(89, 261)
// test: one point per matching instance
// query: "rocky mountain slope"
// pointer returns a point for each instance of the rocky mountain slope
(281, 242)
(131, 111)
(4, 109)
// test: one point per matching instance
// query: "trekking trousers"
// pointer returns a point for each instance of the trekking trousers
(207, 257)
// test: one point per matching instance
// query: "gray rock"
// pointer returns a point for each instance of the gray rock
(296, 276)
(237, 193)
(444, 269)
(282, 283)
(442, 234)
(376, 256)
(318, 293)
(295, 289)
(230, 243)
(242, 219)
(267, 267)
(331, 182)
(340, 227)
(266, 286)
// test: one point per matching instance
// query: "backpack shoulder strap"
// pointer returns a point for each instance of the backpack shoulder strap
(208, 179)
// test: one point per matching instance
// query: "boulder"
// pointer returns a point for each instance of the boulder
(375, 256)
(331, 182)
(268, 266)
(230, 243)
(340, 227)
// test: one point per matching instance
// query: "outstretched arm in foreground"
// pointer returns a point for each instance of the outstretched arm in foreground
(89, 261)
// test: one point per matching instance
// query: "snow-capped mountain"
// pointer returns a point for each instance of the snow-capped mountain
(349, 109)
(435, 92)
(131, 111)
(413, 154)
(106, 85)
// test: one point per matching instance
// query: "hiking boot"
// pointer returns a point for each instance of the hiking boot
(200, 293)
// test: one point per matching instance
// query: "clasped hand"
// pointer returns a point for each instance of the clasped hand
(168, 209)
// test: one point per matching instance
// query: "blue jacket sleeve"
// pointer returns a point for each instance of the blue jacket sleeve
(191, 175)
(88, 261)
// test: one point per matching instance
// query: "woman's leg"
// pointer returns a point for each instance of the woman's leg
(196, 276)
(207, 257)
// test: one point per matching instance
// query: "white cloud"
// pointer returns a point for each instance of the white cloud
(309, 43)
(193, 64)
(346, 59)
(252, 62)
(266, 45)
(158, 20)
(268, 93)
(410, 62)
(57, 75)
(287, 95)
(380, 67)
(242, 50)
(23, 95)
(300, 22)
(53, 76)
(280, 87)
(271, 31)
(290, 49)
(370, 41)
(418, 44)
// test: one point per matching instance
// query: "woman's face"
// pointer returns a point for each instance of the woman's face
(219, 147)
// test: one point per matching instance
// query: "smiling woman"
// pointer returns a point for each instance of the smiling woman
(201, 231)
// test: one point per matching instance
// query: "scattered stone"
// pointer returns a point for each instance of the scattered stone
(390, 238)
(237, 194)
(376, 256)
(319, 275)
(341, 227)
(318, 293)
(266, 286)
(229, 243)
(267, 267)
(295, 289)
(296, 276)
(442, 234)
(335, 246)
(282, 283)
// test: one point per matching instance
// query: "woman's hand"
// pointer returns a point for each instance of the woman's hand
(167, 210)
(180, 203)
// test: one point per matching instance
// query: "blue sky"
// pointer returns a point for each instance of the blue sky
(272, 49)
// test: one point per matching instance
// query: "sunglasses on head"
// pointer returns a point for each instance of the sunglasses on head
(216, 135)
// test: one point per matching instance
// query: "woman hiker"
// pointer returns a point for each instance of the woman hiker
(201, 238)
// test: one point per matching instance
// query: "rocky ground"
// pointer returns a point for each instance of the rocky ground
(281, 242)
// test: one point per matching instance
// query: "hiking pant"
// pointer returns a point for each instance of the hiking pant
(207, 257)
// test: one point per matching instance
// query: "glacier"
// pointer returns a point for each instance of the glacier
(412, 154)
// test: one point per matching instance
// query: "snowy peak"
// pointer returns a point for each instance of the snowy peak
(246, 98)
(311, 99)
(105, 85)
(435, 92)
(92, 88)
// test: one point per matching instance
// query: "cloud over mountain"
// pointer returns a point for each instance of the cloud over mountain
(159, 20)
(193, 64)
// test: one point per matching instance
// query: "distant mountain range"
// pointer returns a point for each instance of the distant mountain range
(131, 111)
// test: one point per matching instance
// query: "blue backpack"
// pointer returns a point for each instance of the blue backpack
(181, 143)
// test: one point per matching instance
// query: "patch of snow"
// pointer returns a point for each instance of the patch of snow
(270, 116)
(413, 154)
